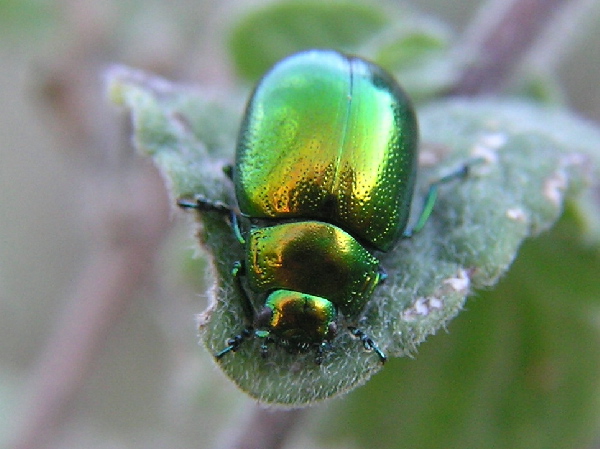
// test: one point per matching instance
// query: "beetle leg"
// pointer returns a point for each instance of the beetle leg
(320, 351)
(234, 343)
(238, 271)
(319, 355)
(368, 343)
(382, 274)
(432, 194)
(235, 225)
(264, 347)
(201, 203)
(228, 170)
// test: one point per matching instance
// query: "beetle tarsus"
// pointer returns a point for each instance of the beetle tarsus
(368, 343)
(432, 194)
(234, 343)
(382, 274)
(264, 348)
(228, 171)
(319, 356)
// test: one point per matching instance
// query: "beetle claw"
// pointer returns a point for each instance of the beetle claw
(368, 343)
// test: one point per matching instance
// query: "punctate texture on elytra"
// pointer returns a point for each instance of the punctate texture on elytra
(331, 137)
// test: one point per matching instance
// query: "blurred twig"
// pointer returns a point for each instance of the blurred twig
(498, 39)
(132, 230)
(129, 217)
(267, 428)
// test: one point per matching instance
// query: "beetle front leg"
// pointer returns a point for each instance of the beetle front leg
(368, 343)
(239, 270)
(234, 343)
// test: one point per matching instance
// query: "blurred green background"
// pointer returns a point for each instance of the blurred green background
(151, 385)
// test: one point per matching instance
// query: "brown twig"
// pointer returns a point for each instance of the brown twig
(500, 36)
(267, 429)
(130, 220)
(132, 230)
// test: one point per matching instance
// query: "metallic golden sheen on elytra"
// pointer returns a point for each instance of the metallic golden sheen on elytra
(330, 137)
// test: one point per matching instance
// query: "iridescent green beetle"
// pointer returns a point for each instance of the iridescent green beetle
(324, 174)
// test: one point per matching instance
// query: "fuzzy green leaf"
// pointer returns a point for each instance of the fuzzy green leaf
(268, 34)
(26, 19)
(418, 51)
(533, 159)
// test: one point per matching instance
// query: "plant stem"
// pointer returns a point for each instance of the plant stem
(267, 429)
(498, 39)
(123, 261)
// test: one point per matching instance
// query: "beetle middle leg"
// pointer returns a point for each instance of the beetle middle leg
(201, 203)
(432, 194)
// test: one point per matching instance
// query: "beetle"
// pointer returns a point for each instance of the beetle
(324, 175)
